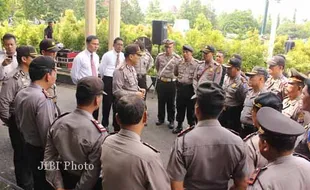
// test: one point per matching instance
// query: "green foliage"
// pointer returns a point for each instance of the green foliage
(294, 30)
(131, 12)
(154, 12)
(4, 9)
(279, 45)
(299, 57)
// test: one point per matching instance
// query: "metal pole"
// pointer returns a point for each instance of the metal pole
(275, 12)
(262, 32)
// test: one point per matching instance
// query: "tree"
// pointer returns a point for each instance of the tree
(4, 9)
(154, 12)
(293, 30)
(131, 12)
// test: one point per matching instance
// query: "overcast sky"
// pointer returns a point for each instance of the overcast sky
(287, 7)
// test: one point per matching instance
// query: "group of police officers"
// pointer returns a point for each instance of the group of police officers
(74, 151)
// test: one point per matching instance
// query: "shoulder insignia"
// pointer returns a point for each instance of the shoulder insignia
(301, 117)
(60, 116)
(234, 85)
(188, 129)
(255, 174)
(98, 125)
(196, 60)
(176, 55)
(249, 136)
(151, 147)
(17, 75)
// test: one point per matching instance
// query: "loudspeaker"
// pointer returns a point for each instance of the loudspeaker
(159, 31)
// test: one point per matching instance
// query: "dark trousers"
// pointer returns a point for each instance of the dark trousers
(108, 100)
(35, 157)
(71, 180)
(185, 103)
(142, 83)
(22, 170)
(230, 118)
(116, 126)
(166, 96)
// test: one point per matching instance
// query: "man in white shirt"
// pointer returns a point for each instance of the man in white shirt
(86, 63)
(8, 61)
(110, 60)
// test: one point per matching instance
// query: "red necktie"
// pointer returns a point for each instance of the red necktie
(93, 67)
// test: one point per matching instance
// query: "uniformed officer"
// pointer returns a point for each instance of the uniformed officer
(277, 81)
(200, 153)
(75, 139)
(209, 70)
(254, 158)
(145, 63)
(257, 79)
(20, 80)
(35, 112)
(166, 83)
(125, 78)
(184, 71)
(292, 104)
(127, 162)
(277, 136)
(235, 87)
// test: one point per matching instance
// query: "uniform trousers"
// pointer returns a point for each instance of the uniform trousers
(166, 97)
(230, 118)
(185, 103)
(142, 82)
(116, 126)
(108, 100)
(35, 156)
(70, 180)
(22, 171)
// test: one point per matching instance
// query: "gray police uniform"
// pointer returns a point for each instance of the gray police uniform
(185, 74)
(123, 154)
(277, 85)
(8, 92)
(303, 147)
(74, 139)
(166, 87)
(198, 156)
(293, 109)
(207, 72)
(145, 63)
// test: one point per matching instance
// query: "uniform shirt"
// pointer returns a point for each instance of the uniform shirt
(162, 60)
(207, 156)
(207, 72)
(8, 92)
(235, 90)
(293, 110)
(246, 114)
(287, 172)
(254, 158)
(276, 85)
(127, 163)
(145, 63)
(82, 65)
(302, 147)
(124, 81)
(9, 70)
(108, 62)
(185, 71)
(75, 137)
(36, 116)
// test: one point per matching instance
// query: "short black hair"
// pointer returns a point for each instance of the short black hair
(280, 143)
(209, 110)
(117, 39)
(85, 101)
(140, 44)
(8, 36)
(130, 109)
(38, 74)
(90, 38)
(222, 52)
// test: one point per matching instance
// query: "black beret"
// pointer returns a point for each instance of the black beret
(210, 91)
(26, 51)
(273, 122)
(233, 62)
(89, 86)
(188, 48)
(48, 45)
(42, 62)
(133, 49)
(208, 49)
(268, 99)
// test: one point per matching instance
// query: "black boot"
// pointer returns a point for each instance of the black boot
(159, 122)
(171, 125)
(178, 129)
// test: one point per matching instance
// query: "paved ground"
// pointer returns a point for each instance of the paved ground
(158, 136)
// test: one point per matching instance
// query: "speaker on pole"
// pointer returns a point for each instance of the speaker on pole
(159, 31)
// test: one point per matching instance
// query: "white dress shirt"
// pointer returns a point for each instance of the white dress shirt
(7, 71)
(82, 66)
(108, 62)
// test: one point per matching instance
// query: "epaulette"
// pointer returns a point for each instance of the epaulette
(122, 66)
(196, 60)
(98, 125)
(249, 136)
(176, 55)
(201, 62)
(255, 174)
(151, 147)
(188, 129)
(160, 54)
(301, 156)
(60, 116)
(17, 75)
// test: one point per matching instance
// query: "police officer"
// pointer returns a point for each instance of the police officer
(127, 162)
(254, 158)
(200, 153)
(145, 63)
(277, 81)
(235, 87)
(292, 104)
(35, 112)
(125, 78)
(185, 73)
(82, 148)
(209, 70)
(166, 83)
(20, 80)
(277, 136)
(257, 79)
